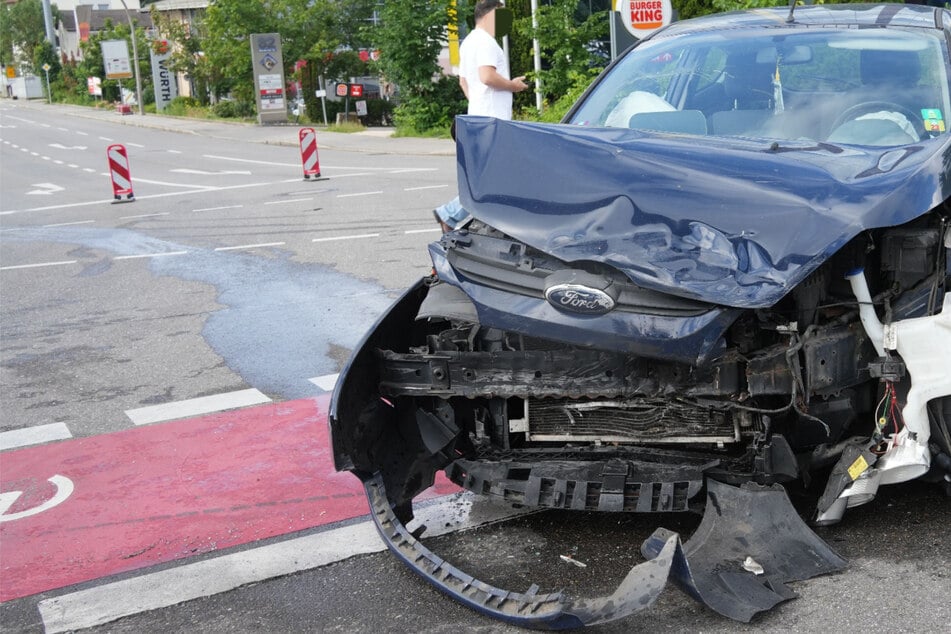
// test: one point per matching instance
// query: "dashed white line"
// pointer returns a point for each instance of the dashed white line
(433, 230)
(38, 265)
(358, 194)
(89, 170)
(416, 189)
(164, 213)
(219, 208)
(283, 202)
(174, 151)
(105, 138)
(34, 153)
(33, 435)
(68, 224)
(131, 144)
(196, 406)
(413, 169)
(354, 174)
(251, 246)
(149, 255)
(58, 162)
(82, 133)
(353, 237)
(74, 166)
(62, 129)
(326, 382)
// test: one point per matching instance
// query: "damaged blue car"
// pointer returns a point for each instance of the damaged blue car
(726, 272)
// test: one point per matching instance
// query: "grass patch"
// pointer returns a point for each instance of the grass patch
(347, 127)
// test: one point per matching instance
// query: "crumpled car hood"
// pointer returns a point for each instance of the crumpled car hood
(728, 221)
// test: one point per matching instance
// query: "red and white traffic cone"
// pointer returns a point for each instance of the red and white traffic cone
(120, 173)
(308, 153)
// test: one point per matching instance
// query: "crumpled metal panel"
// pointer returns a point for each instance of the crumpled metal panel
(727, 221)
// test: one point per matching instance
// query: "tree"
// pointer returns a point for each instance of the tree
(22, 31)
(410, 38)
(92, 62)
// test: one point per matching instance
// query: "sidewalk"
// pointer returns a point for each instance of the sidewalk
(375, 140)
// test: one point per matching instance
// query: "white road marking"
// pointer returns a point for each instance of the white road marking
(174, 151)
(34, 153)
(355, 237)
(74, 166)
(33, 435)
(149, 255)
(82, 133)
(67, 224)
(105, 138)
(326, 382)
(164, 213)
(354, 174)
(184, 170)
(282, 202)
(153, 591)
(130, 144)
(433, 230)
(219, 208)
(416, 189)
(62, 129)
(162, 195)
(414, 169)
(34, 266)
(251, 246)
(322, 167)
(60, 146)
(64, 489)
(358, 194)
(45, 189)
(196, 406)
(89, 170)
(167, 184)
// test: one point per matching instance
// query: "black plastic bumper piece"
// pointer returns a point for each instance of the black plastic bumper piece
(752, 522)
(551, 611)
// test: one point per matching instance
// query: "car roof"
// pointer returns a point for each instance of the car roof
(846, 15)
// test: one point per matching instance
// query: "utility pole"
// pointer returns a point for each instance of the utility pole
(135, 56)
(48, 21)
(536, 49)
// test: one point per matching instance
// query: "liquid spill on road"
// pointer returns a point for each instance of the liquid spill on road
(282, 320)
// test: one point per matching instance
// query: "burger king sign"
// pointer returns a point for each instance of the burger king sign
(643, 17)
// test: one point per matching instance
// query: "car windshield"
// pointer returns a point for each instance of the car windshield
(882, 88)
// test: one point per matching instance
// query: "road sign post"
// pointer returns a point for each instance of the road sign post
(49, 93)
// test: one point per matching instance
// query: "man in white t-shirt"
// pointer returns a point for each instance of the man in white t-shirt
(484, 78)
(484, 68)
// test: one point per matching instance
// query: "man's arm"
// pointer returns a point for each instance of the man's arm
(464, 85)
(491, 77)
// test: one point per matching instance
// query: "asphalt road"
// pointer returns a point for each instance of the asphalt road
(229, 272)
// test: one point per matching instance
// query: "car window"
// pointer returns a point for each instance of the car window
(886, 88)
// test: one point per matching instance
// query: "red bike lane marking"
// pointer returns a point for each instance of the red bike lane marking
(168, 491)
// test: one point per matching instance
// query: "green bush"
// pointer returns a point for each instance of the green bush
(181, 106)
(233, 110)
(432, 111)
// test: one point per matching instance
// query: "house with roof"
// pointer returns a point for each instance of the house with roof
(78, 23)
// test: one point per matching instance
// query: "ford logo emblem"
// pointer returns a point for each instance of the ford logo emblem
(579, 299)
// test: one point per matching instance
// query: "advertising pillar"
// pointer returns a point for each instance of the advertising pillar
(269, 83)
(162, 78)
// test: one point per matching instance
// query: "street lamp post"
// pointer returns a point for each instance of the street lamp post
(135, 55)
